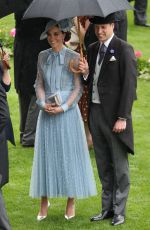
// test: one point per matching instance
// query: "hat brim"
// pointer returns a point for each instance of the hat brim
(101, 20)
(64, 25)
(43, 35)
(50, 24)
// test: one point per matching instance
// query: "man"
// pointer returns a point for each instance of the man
(140, 17)
(111, 77)
(27, 46)
(120, 29)
(4, 119)
(121, 24)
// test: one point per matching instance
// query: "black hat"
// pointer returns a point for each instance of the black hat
(101, 20)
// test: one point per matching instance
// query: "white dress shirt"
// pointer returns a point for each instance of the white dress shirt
(95, 95)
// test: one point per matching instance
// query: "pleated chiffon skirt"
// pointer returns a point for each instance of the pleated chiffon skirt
(61, 164)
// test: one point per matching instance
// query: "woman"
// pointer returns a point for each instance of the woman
(61, 165)
(5, 81)
(4, 72)
(6, 133)
(73, 43)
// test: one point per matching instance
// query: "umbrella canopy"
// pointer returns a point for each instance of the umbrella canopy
(10, 6)
(60, 9)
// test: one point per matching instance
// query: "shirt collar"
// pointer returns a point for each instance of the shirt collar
(106, 43)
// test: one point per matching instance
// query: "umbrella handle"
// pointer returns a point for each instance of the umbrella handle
(80, 39)
(72, 62)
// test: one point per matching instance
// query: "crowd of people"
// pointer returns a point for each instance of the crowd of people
(94, 103)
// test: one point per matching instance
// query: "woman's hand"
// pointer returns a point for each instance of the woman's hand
(53, 109)
(5, 61)
(6, 74)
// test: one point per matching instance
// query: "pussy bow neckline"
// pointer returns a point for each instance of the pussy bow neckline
(53, 55)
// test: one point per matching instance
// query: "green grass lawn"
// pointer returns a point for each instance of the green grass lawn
(22, 210)
(138, 36)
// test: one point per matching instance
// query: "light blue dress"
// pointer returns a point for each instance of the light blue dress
(61, 165)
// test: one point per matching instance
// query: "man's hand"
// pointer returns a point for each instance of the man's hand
(83, 66)
(119, 126)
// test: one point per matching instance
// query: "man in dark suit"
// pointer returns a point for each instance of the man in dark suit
(4, 118)
(140, 16)
(111, 76)
(120, 29)
(121, 25)
(27, 46)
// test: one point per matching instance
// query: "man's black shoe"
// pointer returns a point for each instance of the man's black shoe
(27, 146)
(102, 216)
(145, 25)
(118, 219)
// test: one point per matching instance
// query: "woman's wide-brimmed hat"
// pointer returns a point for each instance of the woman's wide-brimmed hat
(64, 25)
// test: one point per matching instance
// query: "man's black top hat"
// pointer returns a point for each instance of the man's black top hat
(101, 20)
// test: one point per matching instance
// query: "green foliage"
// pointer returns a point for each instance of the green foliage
(6, 24)
(138, 36)
(7, 40)
(143, 69)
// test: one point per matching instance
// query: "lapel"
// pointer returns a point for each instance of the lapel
(93, 57)
(108, 55)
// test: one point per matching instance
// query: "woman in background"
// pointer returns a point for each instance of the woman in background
(73, 43)
(5, 81)
(6, 133)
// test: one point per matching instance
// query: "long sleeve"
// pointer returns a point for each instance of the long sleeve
(75, 94)
(39, 88)
(5, 78)
(6, 87)
(4, 112)
(129, 82)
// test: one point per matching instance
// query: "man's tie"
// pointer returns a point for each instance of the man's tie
(102, 52)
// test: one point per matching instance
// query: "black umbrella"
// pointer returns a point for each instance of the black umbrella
(11, 6)
(61, 9)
